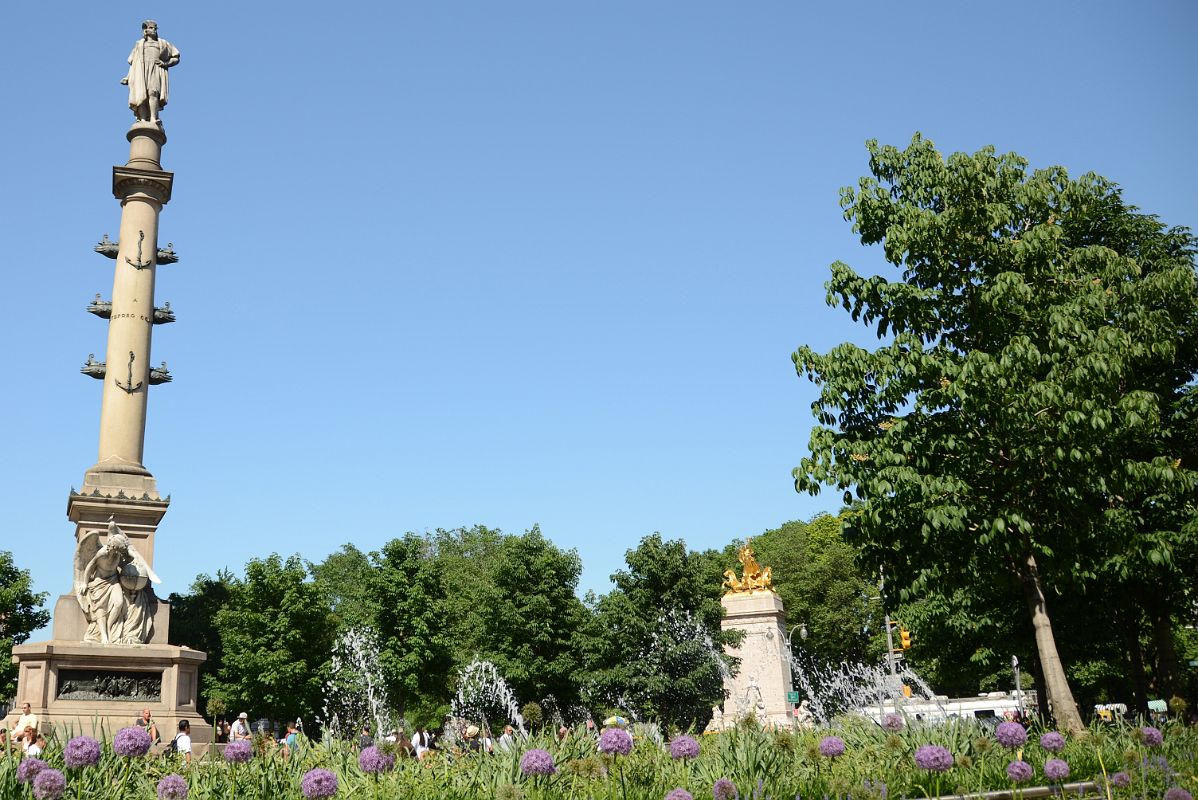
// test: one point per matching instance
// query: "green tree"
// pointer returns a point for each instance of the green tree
(21, 613)
(193, 621)
(276, 633)
(1037, 342)
(414, 644)
(345, 578)
(531, 613)
(654, 645)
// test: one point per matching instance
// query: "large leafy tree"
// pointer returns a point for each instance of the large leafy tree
(21, 613)
(1017, 418)
(193, 620)
(414, 641)
(510, 599)
(531, 617)
(276, 631)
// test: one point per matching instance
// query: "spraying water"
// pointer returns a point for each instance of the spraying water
(483, 694)
(355, 697)
(840, 688)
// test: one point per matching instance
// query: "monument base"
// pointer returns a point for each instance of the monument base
(96, 689)
(761, 684)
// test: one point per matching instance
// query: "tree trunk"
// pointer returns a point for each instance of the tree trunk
(1139, 680)
(1064, 707)
(1166, 653)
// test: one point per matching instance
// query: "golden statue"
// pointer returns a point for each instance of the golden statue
(754, 577)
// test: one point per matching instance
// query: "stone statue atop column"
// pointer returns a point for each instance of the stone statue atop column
(112, 584)
(147, 78)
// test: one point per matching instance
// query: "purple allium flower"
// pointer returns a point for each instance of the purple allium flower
(172, 787)
(831, 746)
(131, 741)
(1120, 780)
(1010, 735)
(679, 794)
(683, 746)
(1056, 770)
(1053, 742)
(537, 762)
(238, 752)
(49, 784)
(893, 723)
(1151, 737)
(28, 769)
(933, 758)
(1020, 771)
(724, 789)
(616, 741)
(373, 760)
(82, 751)
(318, 783)
(1178, 793)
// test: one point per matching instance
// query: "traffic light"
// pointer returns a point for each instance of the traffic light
(905, 638)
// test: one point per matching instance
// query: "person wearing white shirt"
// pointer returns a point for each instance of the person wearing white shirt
(241, 729)
(27, 720)
(183, 740)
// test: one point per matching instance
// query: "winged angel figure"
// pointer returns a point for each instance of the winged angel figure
(112, 584)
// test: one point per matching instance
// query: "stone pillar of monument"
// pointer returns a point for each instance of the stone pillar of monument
(119, 485)
(762, 682)
(94, 677)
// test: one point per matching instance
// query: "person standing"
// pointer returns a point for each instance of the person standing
(507, 741)
(291, 739)
(240, 732)
(420, 741)
(183, 741)
(365, 739)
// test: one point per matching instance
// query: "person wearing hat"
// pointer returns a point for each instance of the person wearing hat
(470, 739)
(241, 729)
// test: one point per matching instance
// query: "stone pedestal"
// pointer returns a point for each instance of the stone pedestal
(99, 689)
(761, 683)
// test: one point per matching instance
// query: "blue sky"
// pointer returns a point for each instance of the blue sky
(507, 263)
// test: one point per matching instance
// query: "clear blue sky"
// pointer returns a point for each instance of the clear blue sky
(507, 263)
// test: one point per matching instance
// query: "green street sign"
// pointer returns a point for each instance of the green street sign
(792, 697)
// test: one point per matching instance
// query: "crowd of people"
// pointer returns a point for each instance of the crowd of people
(26, 737)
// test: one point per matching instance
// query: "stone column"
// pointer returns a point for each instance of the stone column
(143, 188)
(763, 680)
(119, 486)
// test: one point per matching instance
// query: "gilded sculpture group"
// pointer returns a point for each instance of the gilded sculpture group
(754, 577)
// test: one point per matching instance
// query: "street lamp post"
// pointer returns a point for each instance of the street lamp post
(1018, 688)
(802, 629)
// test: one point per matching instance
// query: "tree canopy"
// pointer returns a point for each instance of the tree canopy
(1025, 416)
(276, 634)
(22, 612)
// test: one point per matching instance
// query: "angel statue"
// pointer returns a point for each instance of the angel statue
(112, 584)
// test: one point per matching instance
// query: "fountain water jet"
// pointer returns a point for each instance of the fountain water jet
(355, 696)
